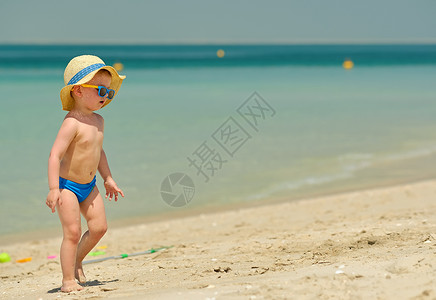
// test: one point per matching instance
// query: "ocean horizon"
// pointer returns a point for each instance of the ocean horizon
(318, 128)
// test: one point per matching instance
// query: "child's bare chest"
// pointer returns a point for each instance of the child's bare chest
(89, 137)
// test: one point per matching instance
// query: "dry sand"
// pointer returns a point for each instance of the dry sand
(372, 244)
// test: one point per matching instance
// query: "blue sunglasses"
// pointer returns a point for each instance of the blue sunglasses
(102, 90)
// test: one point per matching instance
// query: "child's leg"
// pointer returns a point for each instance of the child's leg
(93, 211)
(69, 214)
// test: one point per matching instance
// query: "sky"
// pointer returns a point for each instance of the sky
(209, 22)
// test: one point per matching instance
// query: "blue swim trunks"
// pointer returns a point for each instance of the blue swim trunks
(81, 191)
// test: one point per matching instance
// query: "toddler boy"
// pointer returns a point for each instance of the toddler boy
(75, 157)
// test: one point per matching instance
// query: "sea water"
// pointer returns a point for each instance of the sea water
(316, 128)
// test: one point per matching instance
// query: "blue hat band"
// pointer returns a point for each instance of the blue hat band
(82, 73)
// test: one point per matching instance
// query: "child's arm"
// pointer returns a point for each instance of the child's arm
(111, 187)
(66, 134)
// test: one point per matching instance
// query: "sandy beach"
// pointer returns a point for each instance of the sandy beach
(371, 244)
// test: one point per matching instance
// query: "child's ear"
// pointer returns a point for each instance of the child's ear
(77, 90)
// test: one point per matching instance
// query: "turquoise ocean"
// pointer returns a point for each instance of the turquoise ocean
(298, 124)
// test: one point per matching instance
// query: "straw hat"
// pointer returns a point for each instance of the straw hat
(82, 69)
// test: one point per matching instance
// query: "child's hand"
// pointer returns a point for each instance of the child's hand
(52, 199)
(112, 189)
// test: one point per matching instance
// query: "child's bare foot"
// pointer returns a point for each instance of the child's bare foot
(80, 276)
(70, 286)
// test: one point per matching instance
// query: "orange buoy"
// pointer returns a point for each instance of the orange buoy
(347, 64)
(118, 66)
(220, 53)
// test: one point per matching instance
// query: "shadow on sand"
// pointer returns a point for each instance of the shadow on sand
(89, 283)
